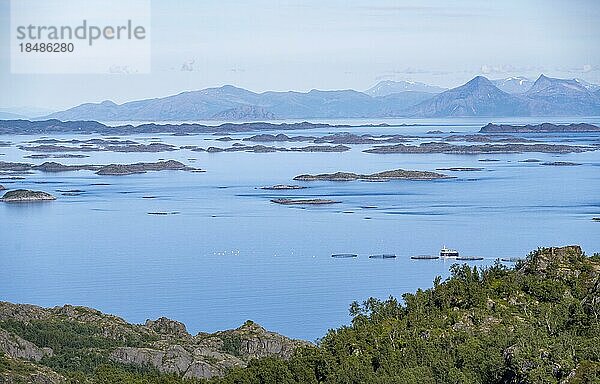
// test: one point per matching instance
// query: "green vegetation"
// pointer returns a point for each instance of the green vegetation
(535, 323)
(14, 366)
(232, 344)
(77, 346)
(65, 335)
(114, 374)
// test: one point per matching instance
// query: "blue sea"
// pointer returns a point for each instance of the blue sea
(230, 254)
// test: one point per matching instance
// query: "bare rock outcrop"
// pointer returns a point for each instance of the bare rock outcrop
(256, 342)
(206, 355)
(163, 343)
(17, 347)
(554, 261)
(167, 326)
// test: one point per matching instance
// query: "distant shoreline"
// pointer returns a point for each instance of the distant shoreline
(54, 126)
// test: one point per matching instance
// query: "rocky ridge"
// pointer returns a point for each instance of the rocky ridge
(162, 344)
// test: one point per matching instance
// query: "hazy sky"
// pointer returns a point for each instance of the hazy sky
(301, 45)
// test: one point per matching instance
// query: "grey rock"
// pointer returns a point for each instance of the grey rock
(199, 369)
(17, 347)
(167, 326)
(257, 342)
(174, 359)
(163, 343)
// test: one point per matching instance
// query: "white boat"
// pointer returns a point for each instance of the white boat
(446, 252)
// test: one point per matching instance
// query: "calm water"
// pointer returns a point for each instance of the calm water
(231, 255)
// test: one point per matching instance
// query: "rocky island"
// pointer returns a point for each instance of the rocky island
(304, 201)
(321, 148)
(460, 169)
(130, 169)
(441, 147)
(237, 147)
(56, 156)
(397, 174)
(540, 128)
(530, 161)
(489, 138)
(335, 138)
(110, 169)
(128, 147)
(26, 196)
(561, 163)
(62, 148)
(82, 127)
(280, 187)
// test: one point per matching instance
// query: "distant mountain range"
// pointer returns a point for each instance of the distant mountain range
(11, 116)
(232, 103)
(516, 96)
(480, 97)
(23, 112)
(549, 96)
(388, 87)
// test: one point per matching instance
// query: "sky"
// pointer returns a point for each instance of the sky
(303, 45)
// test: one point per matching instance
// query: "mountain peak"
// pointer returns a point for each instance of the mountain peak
(229, 87)
(478, 97)
(480, 80)
(551, 86)
(555, 96)
(543, 80)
